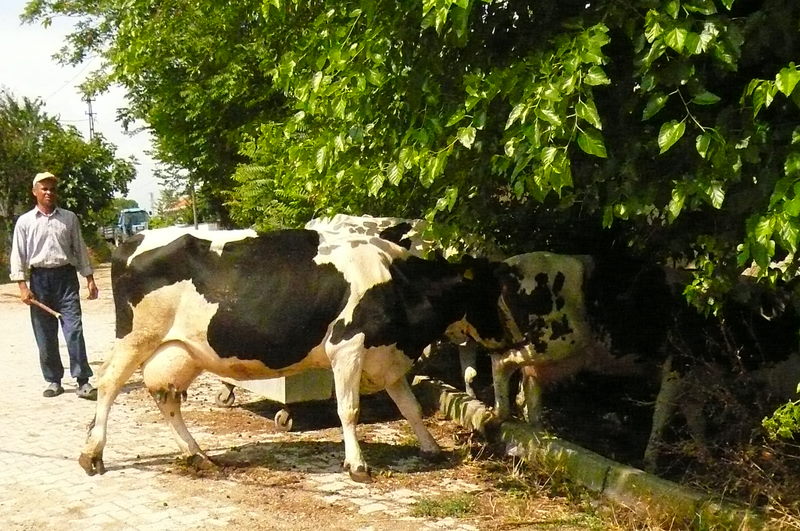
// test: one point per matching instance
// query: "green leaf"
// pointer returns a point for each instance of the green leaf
(716, 194)
(703, 143)
(788, 233)
(591, 142)
(704, 7)
(515, 113)
(792, 164)
(654, 104)
(787, 78)
(466, 135)
(315, 81)
(792, 207)
(448, 200)
(321, 158)
(394, 174)
(455, 118)
(653, 27)
(548, 155)
(374, 183)
(763, 94)
(608, 217)
(587, 110)
(670, 133)
(596, 76)
(656, 50)
(676, 39)
(676, 202)
(705, 98)
(672, 7)
(694, 43)
(764, 229)
(549, 114)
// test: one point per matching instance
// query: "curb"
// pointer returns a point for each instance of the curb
(636, 489)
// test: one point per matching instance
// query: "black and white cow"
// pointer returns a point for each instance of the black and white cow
(547, 294)
(249, 306)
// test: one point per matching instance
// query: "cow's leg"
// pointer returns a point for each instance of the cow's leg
(662, 412)
(467, 356)
(532, 391)
(501, 376)
(347, 380)
(127, 355)
(409, 407)
(692, 410)
(167, 375)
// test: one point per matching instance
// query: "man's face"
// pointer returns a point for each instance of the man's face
(45, 193)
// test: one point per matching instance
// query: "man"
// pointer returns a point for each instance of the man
(47, 250)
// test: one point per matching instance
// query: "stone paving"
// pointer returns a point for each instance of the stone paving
(43, 487)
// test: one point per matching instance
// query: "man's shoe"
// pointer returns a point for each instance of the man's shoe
(87, 391)
(52, 390)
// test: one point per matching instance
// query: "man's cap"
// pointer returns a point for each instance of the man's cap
(42, 176)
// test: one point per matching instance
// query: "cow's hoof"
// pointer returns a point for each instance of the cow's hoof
(283, 420)
(200, 463)
(359, 474)
(92, 465)
(432, 457)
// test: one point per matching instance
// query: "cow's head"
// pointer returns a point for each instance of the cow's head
(485, 320)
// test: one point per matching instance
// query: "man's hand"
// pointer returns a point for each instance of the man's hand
(92, 287)
(25, 294)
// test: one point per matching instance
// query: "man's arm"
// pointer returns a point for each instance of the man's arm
(18, 262)
(92, 287)
(25, 294)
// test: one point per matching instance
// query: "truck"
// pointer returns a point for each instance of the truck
(129, 222)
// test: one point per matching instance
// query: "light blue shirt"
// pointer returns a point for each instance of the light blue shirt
(47, 241)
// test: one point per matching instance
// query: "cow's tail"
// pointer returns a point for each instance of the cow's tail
(119, 288)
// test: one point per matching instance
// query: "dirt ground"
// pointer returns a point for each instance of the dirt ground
(293, 480)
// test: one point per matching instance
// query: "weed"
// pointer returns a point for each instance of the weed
(448, 506)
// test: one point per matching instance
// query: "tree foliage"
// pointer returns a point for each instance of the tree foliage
(667, 126)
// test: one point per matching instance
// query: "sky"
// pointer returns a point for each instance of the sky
(28, 70)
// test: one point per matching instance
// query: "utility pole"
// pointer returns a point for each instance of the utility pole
(88, 99)
(194, 204)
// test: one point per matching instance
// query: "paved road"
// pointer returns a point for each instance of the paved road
(43, 487)
(41, 484)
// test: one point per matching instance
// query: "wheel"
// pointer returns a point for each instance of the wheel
(225, 398)
(283, 420)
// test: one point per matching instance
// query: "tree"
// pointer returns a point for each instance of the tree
(23, 128)
(664, 127)
(32, 141)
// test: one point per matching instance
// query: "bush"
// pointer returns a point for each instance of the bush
(785, 422)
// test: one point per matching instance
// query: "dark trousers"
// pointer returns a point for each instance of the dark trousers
(59, 289)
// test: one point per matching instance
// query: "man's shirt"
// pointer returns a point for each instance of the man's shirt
(47, 241)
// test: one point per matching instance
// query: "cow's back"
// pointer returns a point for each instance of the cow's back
(267, 297)
(549, 302)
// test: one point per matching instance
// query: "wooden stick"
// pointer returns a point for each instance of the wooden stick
(47, 309)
